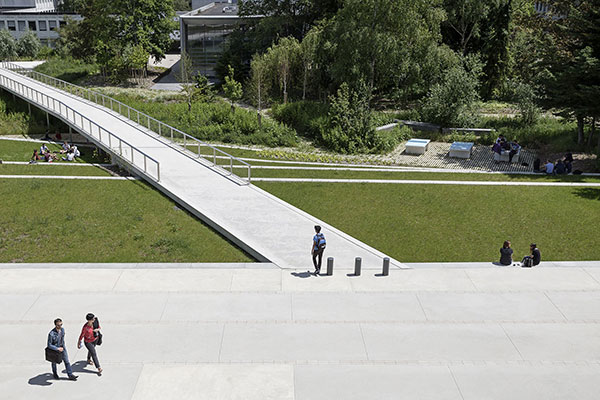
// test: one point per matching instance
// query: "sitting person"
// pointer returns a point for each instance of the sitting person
(70, 156)
(506, 253)
(569, 157)
(76, 151)
(505, 145)
(536, 165)
(500, 139)
(559, 168)
(44, 149)
(549, 168)
(35, 157)
(65, 147)
(568, 165)
(497, 148)
(49, 157)
(533, 259)
(515, 147)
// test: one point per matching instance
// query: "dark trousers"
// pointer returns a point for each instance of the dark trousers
(92, 353)
(317, 259)
(511, 154)
(65, 358)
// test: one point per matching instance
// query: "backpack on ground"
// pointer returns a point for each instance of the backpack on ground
(527, 262)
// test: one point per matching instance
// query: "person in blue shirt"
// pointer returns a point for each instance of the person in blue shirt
(56, 342)
(317, 248)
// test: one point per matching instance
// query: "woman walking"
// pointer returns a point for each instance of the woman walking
(90, 339)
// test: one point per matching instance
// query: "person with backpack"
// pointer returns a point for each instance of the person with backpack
(533, 259)
(317, 248)
(90, 336)
(56, 343)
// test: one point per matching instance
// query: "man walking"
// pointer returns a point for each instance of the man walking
(56, 342)
(317, 249)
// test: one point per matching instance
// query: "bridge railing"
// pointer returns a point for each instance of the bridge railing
(217, 157)
(125, 150)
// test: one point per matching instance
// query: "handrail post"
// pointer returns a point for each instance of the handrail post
(231, 165)
(184, 142)
(199, 149)
(157, 171)
(249, 173)
(145, 168)
(214, 156)
(171, 134)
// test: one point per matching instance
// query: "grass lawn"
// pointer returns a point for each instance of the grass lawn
(102, 221)
(420, 223)
(401, 175)
(18, 150)
(45, 169)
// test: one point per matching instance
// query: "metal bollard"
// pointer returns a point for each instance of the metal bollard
(357, 266)
(386, 266)
(329, 266)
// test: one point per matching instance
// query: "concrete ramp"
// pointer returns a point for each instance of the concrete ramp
(265, 226)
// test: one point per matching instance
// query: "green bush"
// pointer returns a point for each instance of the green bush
(210, 121)
(306, 117)
(68, 69)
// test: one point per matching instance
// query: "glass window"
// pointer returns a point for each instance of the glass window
(42, 25)
(52, 25)
(22, 26)
(32, 26)
(2, 24)
(12, 26)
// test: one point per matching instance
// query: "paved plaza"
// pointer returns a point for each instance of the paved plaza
(255, 331)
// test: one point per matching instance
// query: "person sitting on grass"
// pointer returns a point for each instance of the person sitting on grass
(549, 168)
(559, 168)
(506, 253)
(43, 149)
(70, 156)
(49, 157)
(35, 157)
(536, 165)
(76, 151)
(65, 147)
(533, 259)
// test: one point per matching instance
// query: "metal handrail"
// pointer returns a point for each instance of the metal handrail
(142, 117)
(81, 122)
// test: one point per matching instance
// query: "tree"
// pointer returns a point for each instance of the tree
(204, 92)
(260, 83)
(464, 22)
(450, 102)
(71, 6)
(283, 56)
(308, 55)
(8, 46)
(29, 45)
(185, 77)
(232, 88)
(182, 5)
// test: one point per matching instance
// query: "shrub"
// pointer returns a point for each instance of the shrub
(306, 117)
(29, 45)
(68, 69)
(8, 45)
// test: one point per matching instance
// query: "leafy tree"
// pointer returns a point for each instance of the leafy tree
(260, 83)
(204, 92)
(350, 127)
(450, 102)
(8, 46)
(185, 77)
(308, 56)
(283, 56)
(71, 6)
(182, 5)
(232, 88)
(29, 45)
(464, 22)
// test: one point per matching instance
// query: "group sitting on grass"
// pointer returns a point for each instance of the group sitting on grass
(561, 167)
(502, 144)
(70, 153)
(528, 261)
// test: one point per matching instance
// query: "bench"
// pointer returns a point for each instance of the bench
(505, 156)
(461, 149)
(417, 146)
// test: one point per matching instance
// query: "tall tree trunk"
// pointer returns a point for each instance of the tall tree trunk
(580, 126)
(592, 131)
(304, 83)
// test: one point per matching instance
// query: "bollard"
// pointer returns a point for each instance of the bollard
(329, 266)
(357, 266)
(386, 266)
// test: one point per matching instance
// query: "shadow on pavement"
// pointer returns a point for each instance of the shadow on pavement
(41, 380)
(80, 366)
(306, 274)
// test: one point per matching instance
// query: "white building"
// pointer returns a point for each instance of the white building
(39, 16)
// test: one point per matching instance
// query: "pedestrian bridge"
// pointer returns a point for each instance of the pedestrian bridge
(196, 175)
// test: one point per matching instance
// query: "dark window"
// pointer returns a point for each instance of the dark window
(52, 25)
(12, 26)
(42, 25)
(22, 26)
(32, 26)
(62, 23)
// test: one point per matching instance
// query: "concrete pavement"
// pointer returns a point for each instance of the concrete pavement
(259, 332)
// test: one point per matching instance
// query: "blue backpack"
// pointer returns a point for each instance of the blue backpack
(321, 242)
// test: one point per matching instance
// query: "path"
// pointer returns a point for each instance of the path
(263, 225)
(251, 333)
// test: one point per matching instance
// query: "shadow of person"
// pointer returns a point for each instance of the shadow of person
(41, 379)
(80, 366)
(306, 274)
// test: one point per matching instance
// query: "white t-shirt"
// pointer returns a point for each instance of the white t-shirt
(549, 168)
(70, 157)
